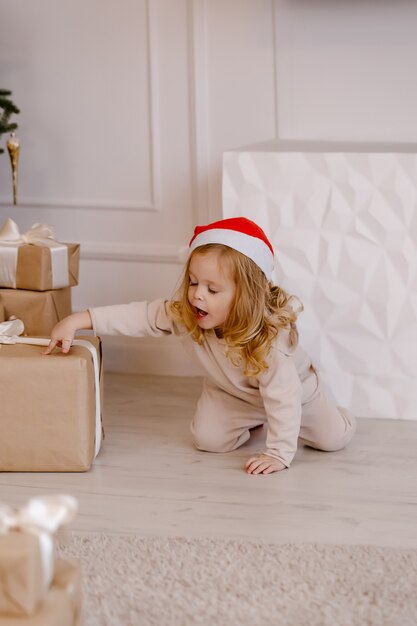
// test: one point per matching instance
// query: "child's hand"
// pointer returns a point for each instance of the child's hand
(263, 464)
(62, 334)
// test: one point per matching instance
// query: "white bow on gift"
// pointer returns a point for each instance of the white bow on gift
(38, 235)
(10, 333)
(41, 516)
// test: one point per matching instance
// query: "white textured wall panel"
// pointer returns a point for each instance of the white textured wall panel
(344, 226)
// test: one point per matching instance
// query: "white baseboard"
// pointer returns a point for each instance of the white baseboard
(162, 355)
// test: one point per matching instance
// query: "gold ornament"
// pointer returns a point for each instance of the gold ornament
(13, 146)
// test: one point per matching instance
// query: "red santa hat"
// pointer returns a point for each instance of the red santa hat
(240, 234)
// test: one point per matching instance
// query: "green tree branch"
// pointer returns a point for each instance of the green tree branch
(7, 109)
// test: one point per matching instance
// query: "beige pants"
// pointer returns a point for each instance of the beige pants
(222, 422)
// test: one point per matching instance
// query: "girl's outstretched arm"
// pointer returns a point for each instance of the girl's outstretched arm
(63, 333)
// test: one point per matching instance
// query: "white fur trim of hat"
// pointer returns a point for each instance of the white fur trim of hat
(240, 234)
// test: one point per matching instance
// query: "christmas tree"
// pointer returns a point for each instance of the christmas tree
(7, 108)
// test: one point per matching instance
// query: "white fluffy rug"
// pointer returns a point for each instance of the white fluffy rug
(141, 581)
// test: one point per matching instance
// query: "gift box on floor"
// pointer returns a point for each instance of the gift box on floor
(68, 578)
(35, 260)
(36, 588)
(50, 417)
(55, 610)
(62, 603)
(21, 573)
(38, 310)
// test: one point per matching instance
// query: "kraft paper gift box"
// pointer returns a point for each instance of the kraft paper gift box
(21, 573)
(28, 563)
(38, 310)
(61, 605)
(68, 577)
(50, 417)
(55, 610)
(35, 260)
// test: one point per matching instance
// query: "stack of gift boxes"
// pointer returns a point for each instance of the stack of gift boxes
(36, 276)
(50, 416)
(36, 587)
(50, 421)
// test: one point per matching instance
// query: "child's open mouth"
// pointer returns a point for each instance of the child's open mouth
(200, 313)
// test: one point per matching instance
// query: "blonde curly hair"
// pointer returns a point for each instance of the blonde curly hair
(257, 314)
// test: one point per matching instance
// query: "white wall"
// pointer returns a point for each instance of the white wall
(127, 107)
(345, 70)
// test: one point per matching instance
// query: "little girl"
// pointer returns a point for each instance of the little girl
(241, 329)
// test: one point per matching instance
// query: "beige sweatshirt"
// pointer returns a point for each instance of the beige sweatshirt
(280, 391)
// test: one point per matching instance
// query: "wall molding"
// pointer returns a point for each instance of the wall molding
(134, 252)
(198, 99)
(154, 202)
(153, 92)
(79, 203)
(275, 65)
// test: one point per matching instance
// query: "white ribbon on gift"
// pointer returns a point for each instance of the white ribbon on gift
(38, 235)
(9, 334)
(42, 517)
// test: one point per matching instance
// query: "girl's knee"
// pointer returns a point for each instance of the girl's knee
(206, 443)
(349, 421)
(207, 440)
(335, 437)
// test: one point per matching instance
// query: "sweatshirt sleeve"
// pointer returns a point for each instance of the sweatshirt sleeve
(137, 319)
(281, 390)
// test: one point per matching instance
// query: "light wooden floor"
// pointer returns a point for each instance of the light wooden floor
(148, 478)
